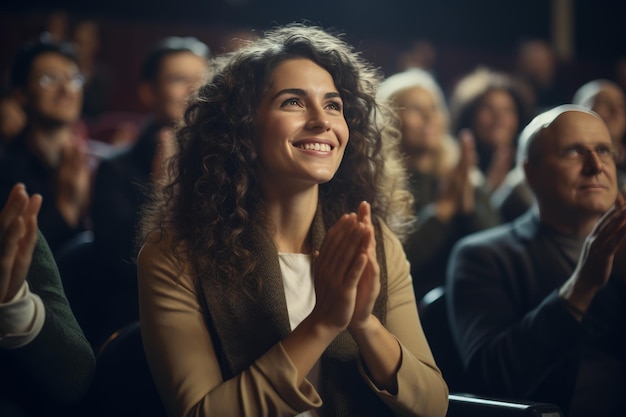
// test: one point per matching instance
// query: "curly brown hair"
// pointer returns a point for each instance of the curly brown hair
(213, 202)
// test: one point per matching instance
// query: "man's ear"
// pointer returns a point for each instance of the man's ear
(147, 96)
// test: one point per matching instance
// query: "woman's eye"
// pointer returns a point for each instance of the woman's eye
(290, 102)
(334, 106)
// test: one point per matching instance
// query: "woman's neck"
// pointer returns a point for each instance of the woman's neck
(290, 218)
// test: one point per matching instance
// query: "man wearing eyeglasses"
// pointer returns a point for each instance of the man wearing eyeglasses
(170, 72)
(48, 156)
(538, 306)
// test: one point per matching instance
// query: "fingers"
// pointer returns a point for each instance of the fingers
(365, 213)
(610, 230)
(15, 205)
(31, 213)
(24, 249)
(12, 231)
(340, 245)
(468, 148)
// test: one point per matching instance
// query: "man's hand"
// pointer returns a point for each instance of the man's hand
(596, 259)
(18, 235)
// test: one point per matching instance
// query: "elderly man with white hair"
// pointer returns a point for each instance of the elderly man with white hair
(538, 305)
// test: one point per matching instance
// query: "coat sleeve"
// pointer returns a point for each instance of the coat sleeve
(59, 363)
(422, 390)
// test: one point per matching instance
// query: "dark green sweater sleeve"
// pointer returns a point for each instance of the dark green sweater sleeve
(59, 363)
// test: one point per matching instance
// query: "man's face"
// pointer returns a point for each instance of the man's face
(574, 171)
(179, 75)
(54, 91)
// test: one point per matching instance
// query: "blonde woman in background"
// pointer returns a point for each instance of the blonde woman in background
(443, 177)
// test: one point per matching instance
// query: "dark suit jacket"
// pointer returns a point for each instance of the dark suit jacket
(120, 189)
(20, 164)
(515, 335)
(54, 371)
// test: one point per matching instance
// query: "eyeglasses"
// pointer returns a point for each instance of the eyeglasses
(74, 82)
(605, 153)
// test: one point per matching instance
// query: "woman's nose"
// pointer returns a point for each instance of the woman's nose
(318, 119)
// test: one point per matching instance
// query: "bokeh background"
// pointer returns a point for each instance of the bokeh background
(456, 36)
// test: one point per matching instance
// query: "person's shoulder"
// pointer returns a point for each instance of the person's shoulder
(160, 245)
(160, 257)
(387, 234)
(117, 156)
(155, 241)
(394, 250)
(492, 237)
(117, 163)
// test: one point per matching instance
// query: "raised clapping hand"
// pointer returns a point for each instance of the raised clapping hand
(347, 283)
(596, 259)
(18, 235)
(368, 287)
(457, 190)
(347, 272)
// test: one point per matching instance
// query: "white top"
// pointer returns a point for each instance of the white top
(21, 319)
(297, 273)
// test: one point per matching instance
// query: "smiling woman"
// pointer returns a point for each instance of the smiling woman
(302, 134)
(270, 283)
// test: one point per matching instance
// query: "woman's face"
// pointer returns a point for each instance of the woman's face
(301, 132)
(610, 105)
(496, 120)
(422, 122)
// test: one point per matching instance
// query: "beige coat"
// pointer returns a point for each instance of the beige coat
(187, 373)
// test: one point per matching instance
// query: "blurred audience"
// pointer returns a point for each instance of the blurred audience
(422, 54)
(513, 197)
(537, 306)
(620, 73)
(490, 105)
(608, 100)
(604, 97)
(537, 72)
(12, 119)
(442, 176)
(170, 73)
(47, 364)
(50, 156)
(58, 25)
(98, 86)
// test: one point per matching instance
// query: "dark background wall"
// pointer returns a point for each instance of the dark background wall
(465, 33)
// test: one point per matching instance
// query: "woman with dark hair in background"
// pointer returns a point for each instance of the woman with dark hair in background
(491, 106)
